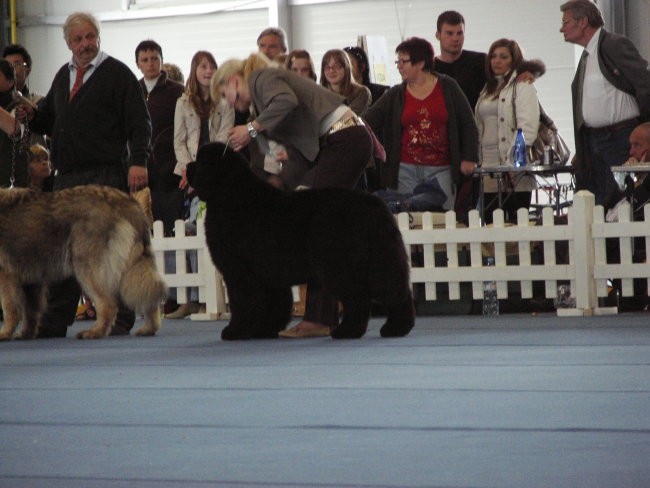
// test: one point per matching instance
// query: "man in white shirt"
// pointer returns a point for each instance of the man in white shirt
(611, 95)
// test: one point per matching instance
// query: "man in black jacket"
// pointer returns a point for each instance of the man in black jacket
(96, 115)
(161, 94)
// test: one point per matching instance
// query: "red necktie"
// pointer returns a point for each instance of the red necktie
(78, 81)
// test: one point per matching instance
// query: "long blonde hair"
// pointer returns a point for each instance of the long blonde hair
(241, 67)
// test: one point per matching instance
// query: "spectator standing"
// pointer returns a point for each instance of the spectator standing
(504, 106)
(198, 119)
(428, 131)
(272, 42)
(336, 75)
(97, 118)
(161, 95)
(300, 61)
(610, 93)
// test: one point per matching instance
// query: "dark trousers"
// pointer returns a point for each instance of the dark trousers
(64, 296)
(340, 163)
(603, 149)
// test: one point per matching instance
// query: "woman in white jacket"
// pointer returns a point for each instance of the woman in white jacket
(498, 117)
(198, 118)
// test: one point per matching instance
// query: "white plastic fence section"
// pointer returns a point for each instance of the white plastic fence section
(547, 252)
(206, 277)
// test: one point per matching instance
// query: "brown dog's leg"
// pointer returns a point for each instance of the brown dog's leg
(106, 309)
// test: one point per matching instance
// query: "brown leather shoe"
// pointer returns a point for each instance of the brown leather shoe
(300, 331)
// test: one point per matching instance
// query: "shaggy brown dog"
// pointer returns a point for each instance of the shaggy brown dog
(97, 234)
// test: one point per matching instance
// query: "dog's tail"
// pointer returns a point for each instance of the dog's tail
(142, 287)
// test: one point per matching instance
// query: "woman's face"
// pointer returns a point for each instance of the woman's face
(235, 91)
(407, 70)
(301, 66)
(204, 72)
(500, 61)
(334, 71)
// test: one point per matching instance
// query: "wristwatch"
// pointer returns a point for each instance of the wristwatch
(251, 130)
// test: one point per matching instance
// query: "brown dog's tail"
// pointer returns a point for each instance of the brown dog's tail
(142, 287)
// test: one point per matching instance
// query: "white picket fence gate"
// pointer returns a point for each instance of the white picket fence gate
(439, 238)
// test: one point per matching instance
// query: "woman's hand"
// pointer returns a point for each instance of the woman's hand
(467, 167)
(239, 137)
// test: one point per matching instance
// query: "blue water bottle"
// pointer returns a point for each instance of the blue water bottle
(519, 159)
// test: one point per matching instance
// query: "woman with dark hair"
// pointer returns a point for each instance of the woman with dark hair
(336, 75)
(428, 131)
(504, 106)
(361, 72)
(300, 62)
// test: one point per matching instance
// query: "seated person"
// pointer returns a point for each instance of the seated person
(637, 188)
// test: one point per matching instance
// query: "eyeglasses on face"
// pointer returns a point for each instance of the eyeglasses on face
(402, 62)
(17, 64)
(333, 67)
(565, 22)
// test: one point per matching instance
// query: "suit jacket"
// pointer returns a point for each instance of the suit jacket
(291, 108)
(622, 65)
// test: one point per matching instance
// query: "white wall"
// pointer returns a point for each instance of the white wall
(315, 26)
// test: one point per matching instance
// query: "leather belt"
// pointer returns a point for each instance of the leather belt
(624, 124)
(344, 124)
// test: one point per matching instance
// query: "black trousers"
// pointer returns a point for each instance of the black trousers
(340, 163)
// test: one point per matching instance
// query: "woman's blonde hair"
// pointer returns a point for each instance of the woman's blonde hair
(241, 67)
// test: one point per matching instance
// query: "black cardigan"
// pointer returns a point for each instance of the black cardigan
(105, 124)
(385, 118)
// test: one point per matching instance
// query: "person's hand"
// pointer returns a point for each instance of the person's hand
(137, 178)
(239, 137)
(183, 183)
(525, 77)
(467, 167)
(274, 180)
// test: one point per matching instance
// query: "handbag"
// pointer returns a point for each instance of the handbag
(547, 136)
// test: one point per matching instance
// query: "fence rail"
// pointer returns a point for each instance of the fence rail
(580, 251)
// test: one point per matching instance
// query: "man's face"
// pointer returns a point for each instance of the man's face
(149, 63)
(270, 45)
(20, 67)
(640, 144)
(573, 29)
(451, 38)
(83, 41)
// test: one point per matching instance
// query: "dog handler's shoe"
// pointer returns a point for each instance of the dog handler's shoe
(298, 332)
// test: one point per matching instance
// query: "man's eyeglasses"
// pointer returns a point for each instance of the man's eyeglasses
(17, 64)
(565, 22)
(401, 62)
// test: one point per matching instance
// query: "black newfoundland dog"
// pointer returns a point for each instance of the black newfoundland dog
(264, 240)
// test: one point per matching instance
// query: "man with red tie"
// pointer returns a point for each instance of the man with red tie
(97, 117)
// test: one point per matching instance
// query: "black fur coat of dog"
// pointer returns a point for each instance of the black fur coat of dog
(264, 240)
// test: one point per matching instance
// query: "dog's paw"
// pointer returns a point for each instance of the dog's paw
(349, 331)
(90, 334)
(145, 331)
(233, 332)
(5, 336)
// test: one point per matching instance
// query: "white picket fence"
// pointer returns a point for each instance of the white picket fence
(523, 254)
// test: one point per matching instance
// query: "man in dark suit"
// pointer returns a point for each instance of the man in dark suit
(96, 115)
(611, 95)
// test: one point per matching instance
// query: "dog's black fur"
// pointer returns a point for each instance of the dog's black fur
(264, 240)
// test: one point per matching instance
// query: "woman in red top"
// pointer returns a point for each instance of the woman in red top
(428, 130)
